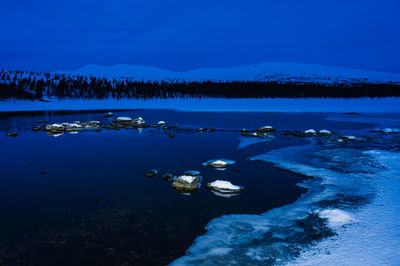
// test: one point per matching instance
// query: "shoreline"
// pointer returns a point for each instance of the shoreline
(318, 105)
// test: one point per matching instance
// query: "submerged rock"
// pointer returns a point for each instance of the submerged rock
(224, 187)
(54, 134)
(219, 163)
(151, 173)
(169, 177)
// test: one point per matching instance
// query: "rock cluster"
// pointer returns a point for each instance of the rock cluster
(308, 133)
(69, 127)
(259, 132)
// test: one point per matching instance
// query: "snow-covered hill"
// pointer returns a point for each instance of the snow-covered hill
(259, 72)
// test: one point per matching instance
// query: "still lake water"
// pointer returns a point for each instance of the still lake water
(83, 199)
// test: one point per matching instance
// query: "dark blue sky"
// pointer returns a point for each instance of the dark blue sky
(184, 34)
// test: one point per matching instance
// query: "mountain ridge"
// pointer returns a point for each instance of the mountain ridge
(270, 71)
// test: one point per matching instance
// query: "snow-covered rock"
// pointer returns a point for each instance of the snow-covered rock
(123, 119)
(139, 121)
(349, 138)
(223, 186)
(12, 134)
(55, 127)
(265, 129)
(310, 132)
(325, 132)
(219, 163)
(187, 178)
(187, 183)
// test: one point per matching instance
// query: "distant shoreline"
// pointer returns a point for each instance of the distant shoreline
(316, 105)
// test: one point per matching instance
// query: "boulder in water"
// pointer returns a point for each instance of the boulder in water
(187, 183)
(219, 163)
(12, 134)
(224, 187)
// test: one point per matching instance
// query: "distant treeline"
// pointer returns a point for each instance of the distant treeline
(29, 85)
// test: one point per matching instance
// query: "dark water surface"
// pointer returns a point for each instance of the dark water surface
(83, 199)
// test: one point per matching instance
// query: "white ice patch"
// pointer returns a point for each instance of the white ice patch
(246, 141)
(341, 176)
(336, 218)
(391, 130)
(374, 238)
